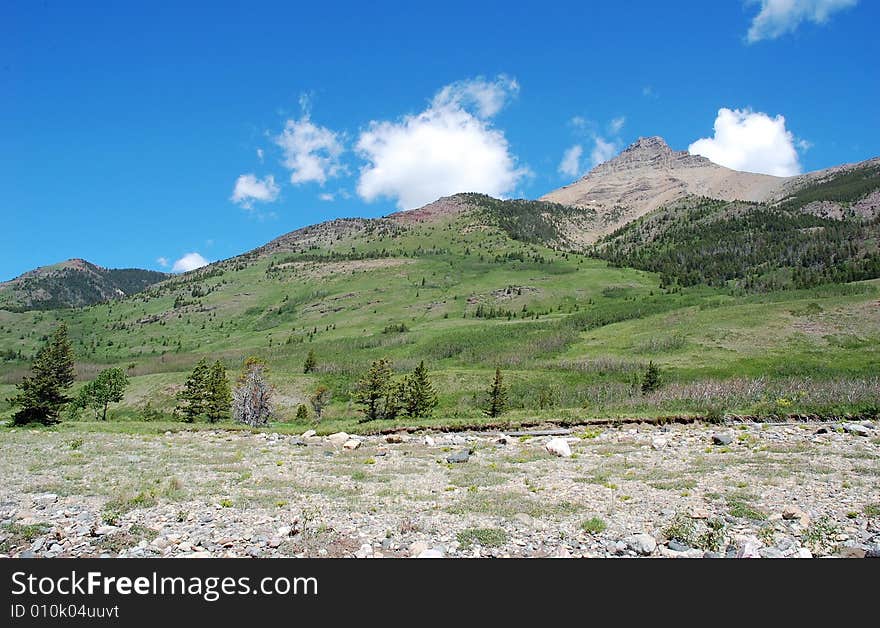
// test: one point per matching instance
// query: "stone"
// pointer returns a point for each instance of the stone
(297, 442)
(394, 439)
(561, 552)
(504, 439)
(855, 428)
(722, 439)
(558, 447)
(338, 439)
(105, 530)
(46, 499)
(274, 542)
(850, 551)
(283, 531)
(429, 441)
(430, 553)
(803, 553)
(308, 433)
(699, 513)
(748, 547)
(709, 554)
(351, 444)
(658, 443)
(365, 551)
(642, 543)
(677, 546)
(770, 552)
(417, 548)
(790, 513)
(462, 455)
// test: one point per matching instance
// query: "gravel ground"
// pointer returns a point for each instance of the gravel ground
(747, 490)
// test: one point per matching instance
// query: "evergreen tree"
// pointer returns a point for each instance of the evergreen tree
(419, 398)
(310, 363)
(218, 395)
(497, 396)
(373, 390)
(43, 394)
(302, 413)
(651, 379)
(108, 387)
(191, 400)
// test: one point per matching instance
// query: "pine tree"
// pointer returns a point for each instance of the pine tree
(651, 379)
(218, 395)
(191, 400)
(43, 394)
(108, 387)
(497, 396)
(419, 398)
(302, 413)
(310, 363)
(372, 391)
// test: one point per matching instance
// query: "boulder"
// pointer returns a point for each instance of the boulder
(722, 439)
(308, 433)
(338, 439)
(642, 543)
(462, 455)
(351, 444)
(558, 447)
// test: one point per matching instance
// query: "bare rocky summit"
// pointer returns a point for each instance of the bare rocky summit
(649, 174)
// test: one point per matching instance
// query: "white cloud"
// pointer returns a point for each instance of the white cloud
(249, 189)
(489, 97)
(448, 148)
(189, 262)
(163, 262)
(779, 17)
(311, 152)
(571, 161)
(260, 154)
(751, 141)
(603, 151)
(616, 125)
(326, 196)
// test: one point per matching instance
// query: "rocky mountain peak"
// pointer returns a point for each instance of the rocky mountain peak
(649, 152)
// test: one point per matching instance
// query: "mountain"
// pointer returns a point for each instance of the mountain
(649, 174)
(825, 230)
(74, 283)
(746, 306)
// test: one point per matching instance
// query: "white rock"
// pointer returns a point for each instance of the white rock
(641, 543)
(351, 444)
(558, 447)
(658, 443)
(338, 439)
(308, 433)
(365, 551)
(803, 553)
(429, 441)
(417, 548)
(430, 553)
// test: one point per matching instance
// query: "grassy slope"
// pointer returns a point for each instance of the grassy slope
(574, 359)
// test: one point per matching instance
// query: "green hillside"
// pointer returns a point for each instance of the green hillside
(572, 334)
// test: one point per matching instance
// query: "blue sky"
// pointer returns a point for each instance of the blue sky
(130, 135)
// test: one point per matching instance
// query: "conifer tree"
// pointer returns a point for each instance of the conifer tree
(218, 394)
(651, 379)
(319, 399)
(191, 401)
(373, 390)
(419, 398)
(252, 402)
(310, 363)
(497, 396)
(43, 394)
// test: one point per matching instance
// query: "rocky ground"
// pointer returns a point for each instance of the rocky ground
(747, 490)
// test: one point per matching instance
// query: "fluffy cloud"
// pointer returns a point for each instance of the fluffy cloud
(163, 262)
(248, 189)
(779, 17)
(751, 141)
(189, 262)
(570, 165)
(448, 148)
(616, 125)
(604, 150)
(311, 152)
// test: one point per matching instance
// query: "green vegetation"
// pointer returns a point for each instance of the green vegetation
(485, 537)
(572, 336)
(108, 387)
(497, 396)
(594, 525)
(43, 394)
(758, 247)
